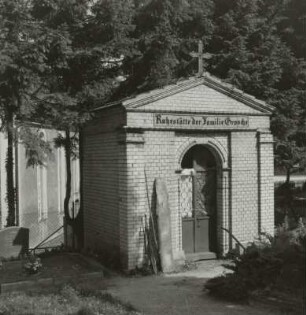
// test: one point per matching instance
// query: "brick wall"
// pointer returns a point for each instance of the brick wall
(266, 182)
(244, 185)
(159, 156)
(149, 155)
(237, 187)
(132, 201)
(124, 153)
(100, 185)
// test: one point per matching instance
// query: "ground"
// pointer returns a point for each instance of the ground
(55, 265)
(178, 293)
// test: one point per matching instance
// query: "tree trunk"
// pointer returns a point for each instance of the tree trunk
(68, 172)
(68, 221)
(9, 165)
(288, 173)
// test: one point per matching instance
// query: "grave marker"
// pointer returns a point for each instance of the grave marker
(14, 241)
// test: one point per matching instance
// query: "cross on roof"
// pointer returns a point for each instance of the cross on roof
(200, 55)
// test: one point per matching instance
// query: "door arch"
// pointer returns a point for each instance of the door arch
(198, 195)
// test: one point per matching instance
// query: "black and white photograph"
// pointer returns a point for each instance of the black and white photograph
(152, 157)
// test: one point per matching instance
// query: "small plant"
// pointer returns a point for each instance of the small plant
(32, 265)
(189, 265)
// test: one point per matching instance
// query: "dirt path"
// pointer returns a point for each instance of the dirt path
(178, 294)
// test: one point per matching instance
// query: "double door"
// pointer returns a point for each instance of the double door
(199, 212)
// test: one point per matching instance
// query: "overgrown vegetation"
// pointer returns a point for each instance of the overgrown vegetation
(68, 301)
(273, 264)
(290, 203)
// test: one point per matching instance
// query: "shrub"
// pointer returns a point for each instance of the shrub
(229, 287)
(272, 262)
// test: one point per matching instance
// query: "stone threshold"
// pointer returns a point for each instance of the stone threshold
(201, 256)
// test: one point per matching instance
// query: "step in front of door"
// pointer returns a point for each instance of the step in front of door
(201, 256)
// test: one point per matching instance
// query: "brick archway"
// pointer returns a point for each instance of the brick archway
(211, 143)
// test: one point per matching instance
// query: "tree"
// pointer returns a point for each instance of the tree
(22, 65)
(166, 32)
(89, 44)
(292, 27)
(251, 50)
(290, 156)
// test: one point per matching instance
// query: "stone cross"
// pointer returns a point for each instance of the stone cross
(200, 55)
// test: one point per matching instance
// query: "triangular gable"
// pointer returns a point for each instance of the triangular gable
(199, 99)
(206, 94)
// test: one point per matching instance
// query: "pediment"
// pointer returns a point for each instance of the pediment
(200, 95)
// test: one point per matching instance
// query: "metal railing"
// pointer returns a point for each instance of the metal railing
(40, 247)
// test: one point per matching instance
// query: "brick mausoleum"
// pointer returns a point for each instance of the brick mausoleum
(212, 146)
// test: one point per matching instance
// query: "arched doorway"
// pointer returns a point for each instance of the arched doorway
(198, 192)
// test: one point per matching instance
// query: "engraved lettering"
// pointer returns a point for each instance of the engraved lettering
(197, 121)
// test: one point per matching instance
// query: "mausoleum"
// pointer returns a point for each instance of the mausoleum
(209, 142)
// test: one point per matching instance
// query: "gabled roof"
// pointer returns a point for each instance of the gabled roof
(197, 94)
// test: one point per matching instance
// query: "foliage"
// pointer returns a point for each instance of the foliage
(84, 59)
(274, 262)
(253, 50)
(289, 204)
(22, 66)
(60, 142)
(166, 32)
(290, 156)
(89, 45)
(38, 150)
(32, 265)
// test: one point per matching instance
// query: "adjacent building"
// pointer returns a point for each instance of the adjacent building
(40, 190)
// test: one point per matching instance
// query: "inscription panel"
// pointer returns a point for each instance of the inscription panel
(200, 121)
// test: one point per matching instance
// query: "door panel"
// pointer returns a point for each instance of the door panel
(202, 234)
(213, 233)
(188, 235)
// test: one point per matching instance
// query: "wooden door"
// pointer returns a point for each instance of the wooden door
(199, 222)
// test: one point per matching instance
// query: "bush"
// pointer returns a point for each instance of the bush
(230, 287)
(272, 262)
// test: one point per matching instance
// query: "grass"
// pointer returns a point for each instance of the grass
(68, 301)
(56, 265)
